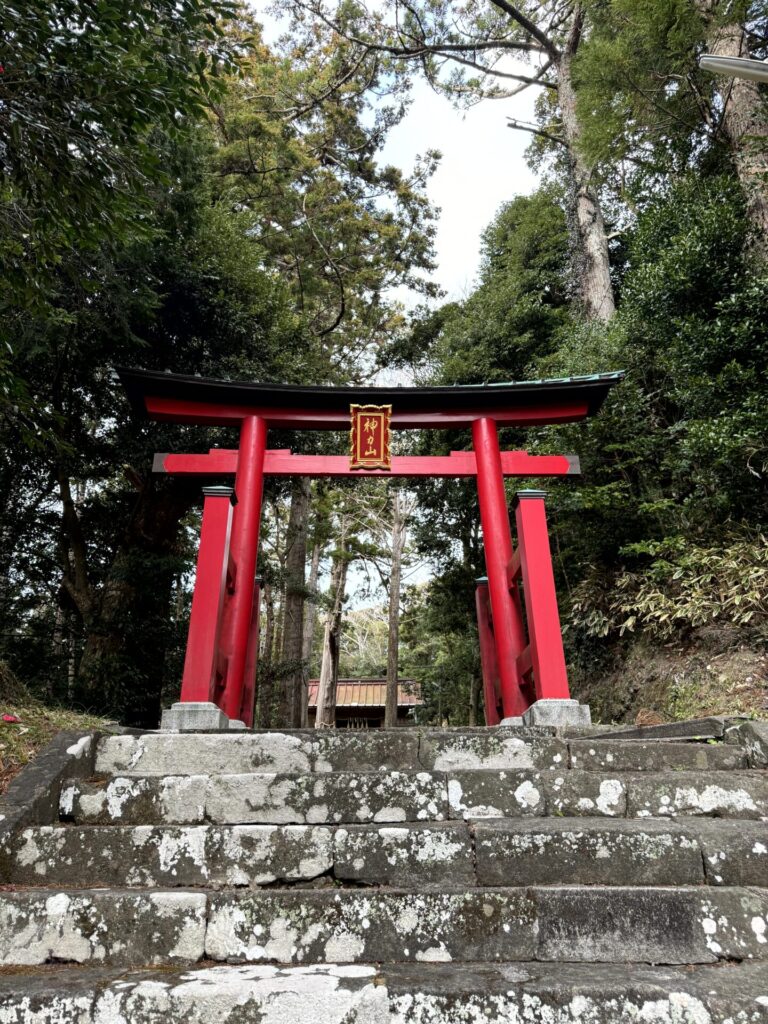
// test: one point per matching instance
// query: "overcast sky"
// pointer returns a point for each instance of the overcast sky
(482, 166)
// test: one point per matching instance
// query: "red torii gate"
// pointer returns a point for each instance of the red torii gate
(222, 647)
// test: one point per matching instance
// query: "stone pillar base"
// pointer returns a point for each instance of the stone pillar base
(197, 716)
(513, 720)
(558, 713)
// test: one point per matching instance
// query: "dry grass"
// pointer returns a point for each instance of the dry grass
(37, 725)
(665, 683)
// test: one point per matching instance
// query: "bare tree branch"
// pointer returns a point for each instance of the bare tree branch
(413, 52)
(339, 280)
(492, 72)
(529, 26)
(522, 126)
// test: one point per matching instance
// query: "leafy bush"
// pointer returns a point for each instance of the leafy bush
(683, 587)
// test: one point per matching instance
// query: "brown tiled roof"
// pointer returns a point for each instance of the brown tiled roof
(368, 693)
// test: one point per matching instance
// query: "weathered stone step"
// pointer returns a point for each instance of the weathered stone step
(658, 925)
(400, 749)
(592, 851)
(258, 798)
(361, 797)
(327, 751)
(714, 794)
(339, 797)
(395, 994)
(609, 755)
(307, 926)
(524, 851)
(220, 856)
(177, 855)
(587, 852)
(714, 727)
(102, 926)
(572, 792)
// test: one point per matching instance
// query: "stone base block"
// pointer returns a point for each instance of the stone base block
(558, 713)
(197, 716)
(513, 720)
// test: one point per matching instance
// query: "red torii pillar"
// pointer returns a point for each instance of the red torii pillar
(222, 644)
(530, 679)
(244, 549)
(203, 670)
(497, 541)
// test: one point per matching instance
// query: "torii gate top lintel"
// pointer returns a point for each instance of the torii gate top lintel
(187, 399)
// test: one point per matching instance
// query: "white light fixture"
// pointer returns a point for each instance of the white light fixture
(735, 67)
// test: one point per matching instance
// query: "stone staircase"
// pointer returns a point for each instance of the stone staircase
(471, 876)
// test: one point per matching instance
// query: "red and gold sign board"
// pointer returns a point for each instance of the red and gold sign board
(369, 437)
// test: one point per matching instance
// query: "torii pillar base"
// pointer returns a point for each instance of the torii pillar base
(557, 713)
(197, 716)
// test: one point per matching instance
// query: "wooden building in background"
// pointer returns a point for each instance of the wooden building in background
(360, 702)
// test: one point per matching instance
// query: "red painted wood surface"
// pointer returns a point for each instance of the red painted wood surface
(201, 659)
(547, 659)
(281, 462)
(488, 662)
(248, 702)
(175, 410)
(497, 541)
(249, 485)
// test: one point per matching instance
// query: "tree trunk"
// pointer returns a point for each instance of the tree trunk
(266, 670)
(393, 639)
(329, 670)
(294, 679)
(745, 124)
(310, 618)
(71, 664)
(592, 270)
(126, 620)
(59, 649)
(474, 698)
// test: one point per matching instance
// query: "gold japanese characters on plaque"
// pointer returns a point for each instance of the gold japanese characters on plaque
(369, 437)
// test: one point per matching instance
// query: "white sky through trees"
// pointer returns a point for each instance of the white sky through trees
(482, 167)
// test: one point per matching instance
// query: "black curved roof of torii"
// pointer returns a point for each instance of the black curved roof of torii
(591, 390)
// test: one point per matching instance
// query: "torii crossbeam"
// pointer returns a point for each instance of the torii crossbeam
(282, 462)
